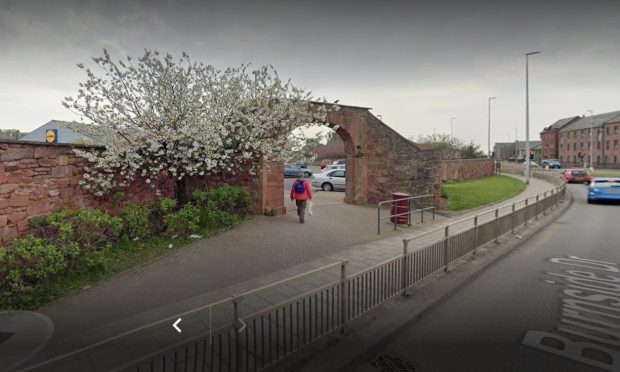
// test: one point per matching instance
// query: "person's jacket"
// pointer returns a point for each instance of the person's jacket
(306, 195)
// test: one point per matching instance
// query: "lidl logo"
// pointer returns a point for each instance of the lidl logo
(51, 136)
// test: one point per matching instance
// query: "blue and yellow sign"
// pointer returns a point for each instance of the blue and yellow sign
(51, 136)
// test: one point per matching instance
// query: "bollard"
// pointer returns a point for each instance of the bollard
(546, 203)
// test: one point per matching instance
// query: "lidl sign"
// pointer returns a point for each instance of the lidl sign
(51, 136)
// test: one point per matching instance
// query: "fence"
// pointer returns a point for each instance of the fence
(419, 203)
(256, 341)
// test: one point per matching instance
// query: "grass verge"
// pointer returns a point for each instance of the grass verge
(120, 257)
(472, 194)
(605, 174)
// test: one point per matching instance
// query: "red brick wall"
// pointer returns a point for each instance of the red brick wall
(549, 144)
(465, 169)
(36, 179)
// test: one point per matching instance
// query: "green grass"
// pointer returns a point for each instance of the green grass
(472, 194)
(120, 257)
(605, 174)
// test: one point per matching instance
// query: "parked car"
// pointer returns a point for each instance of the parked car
(604, 189)
(293, 171)
(325, 162)
(340, 162)
(551, 163)
(332, 167)
(334, 180)
(301, 165)
(578, 175)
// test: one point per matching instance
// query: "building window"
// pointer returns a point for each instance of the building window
(615, 129)
(575, 146)
(598, 159)
(574, 158)
(598, 145)
(615, 145)
(607, 145)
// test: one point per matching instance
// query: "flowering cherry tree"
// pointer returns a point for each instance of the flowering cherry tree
(160, 117)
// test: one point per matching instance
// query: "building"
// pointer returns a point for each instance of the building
(62, 134)
(586, 140)
(549, 138)
(11, 134)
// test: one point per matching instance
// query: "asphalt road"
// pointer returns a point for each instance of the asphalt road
(495, 323)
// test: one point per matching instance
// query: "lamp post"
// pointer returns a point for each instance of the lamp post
(527, 117)
(591, 139)
(451, 126)
(489, 132)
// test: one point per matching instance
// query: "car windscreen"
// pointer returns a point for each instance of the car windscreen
(606, 183)
(579, 173)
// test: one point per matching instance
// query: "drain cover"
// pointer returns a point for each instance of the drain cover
(389, 363)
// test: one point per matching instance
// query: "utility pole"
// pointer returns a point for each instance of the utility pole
(489, 132)
(591, 139)
(527, 117)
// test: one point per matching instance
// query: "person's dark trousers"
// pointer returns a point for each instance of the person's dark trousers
(301, 209)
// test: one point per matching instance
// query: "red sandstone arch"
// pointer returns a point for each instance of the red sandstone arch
(379, 162)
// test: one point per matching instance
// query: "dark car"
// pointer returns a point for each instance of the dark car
(293, 171)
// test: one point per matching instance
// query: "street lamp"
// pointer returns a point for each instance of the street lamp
(591, 138)
(527, 117)
(451, 126)
(489, 132)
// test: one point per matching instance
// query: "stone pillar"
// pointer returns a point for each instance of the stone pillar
(269, 190)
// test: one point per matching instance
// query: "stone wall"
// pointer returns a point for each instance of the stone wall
(37, 178)
(465, 169)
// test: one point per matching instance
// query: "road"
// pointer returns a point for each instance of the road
(486, 325)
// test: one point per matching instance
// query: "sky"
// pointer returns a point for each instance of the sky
(415, 63)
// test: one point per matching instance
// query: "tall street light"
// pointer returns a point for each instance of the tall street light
(451, 126)
(591, 138)
(527, 117)
(489, 133)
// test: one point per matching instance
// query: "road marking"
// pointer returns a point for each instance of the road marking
(175, 325)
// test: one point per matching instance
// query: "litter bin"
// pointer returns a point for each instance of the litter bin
(400, 207)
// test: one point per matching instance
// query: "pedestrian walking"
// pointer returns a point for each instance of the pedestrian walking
(301, 193)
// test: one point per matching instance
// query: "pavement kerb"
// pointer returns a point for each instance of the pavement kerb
(390, 320)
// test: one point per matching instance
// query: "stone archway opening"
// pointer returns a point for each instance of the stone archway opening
(379, 162)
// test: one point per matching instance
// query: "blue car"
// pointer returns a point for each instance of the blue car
(551, 163)
(604, 189)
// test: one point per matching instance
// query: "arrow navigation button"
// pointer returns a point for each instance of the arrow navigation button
(175, 325)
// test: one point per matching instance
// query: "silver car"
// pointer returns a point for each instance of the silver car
(332, 167)
(334, 180)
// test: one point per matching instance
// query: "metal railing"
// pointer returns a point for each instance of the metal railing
(419, 204)
(256, 341)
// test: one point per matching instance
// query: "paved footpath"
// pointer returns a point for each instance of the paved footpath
(262, 251)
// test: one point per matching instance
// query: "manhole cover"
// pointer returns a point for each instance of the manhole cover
(389, 363)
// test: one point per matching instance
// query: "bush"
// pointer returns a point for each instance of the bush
(233, 200)
(184, 222)
(28, 263)
(135, 219)
(214, 218)
(81, 236)
(158, 210)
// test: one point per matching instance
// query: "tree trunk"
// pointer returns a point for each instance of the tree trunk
(182, 191)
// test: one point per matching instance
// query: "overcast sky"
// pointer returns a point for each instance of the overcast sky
(416, 63)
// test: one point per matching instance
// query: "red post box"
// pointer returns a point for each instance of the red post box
(400, 207)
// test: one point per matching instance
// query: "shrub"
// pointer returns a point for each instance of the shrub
(28, 263)
(214, 218)
(183, 222)
(135, 219)
(80, 235)
(233, 200)
(158, 210)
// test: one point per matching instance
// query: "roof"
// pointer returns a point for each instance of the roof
(561, 123)
(66, 134)
(585, 122)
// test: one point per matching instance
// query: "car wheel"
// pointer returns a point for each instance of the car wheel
(307, 174)
(327, 186)
(590, 201)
